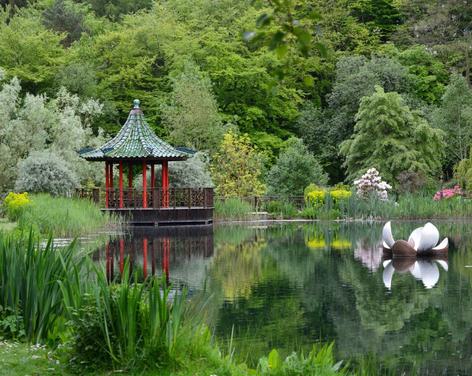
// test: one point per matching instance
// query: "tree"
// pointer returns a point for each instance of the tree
(193, 172)
(65, 17)
(382, 16)
(36, 123)
(236, 168)
(392, 138)
(321, 139)
(428, 75)
(29, 51)
(356, 77)
(454, 117)
(295, 169)
(45, 172)
(192, 117)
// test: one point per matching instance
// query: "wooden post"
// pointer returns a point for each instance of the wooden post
(130, 183)
(144, 185)
(153, 178)
(111, 186)
(107, 183)
(165, 184)
(121, 184)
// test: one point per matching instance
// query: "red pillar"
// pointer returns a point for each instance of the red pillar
(107, 183)
(153, 178)
(144, 185)
(130, 182)
(121, 184)
(111, 186)
(165, 184)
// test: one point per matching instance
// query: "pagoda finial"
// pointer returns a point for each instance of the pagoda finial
(136, 103)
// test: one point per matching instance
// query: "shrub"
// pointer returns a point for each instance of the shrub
(281, 208)
(294, 169)
(45, 172)
(371, 183)
(129, 324)
(314, 195)
(448, 193)
(15, 203)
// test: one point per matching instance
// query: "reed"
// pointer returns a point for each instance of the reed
(29, 288)
(128, 324)
(62, 216)
(232, 208)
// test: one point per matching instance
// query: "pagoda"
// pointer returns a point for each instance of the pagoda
(136, 146)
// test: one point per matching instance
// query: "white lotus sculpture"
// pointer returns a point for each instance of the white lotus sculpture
(423, 241)
(425, 270)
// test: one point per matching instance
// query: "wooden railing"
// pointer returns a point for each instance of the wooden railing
(155, 198)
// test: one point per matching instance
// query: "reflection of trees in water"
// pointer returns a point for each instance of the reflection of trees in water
(278, 292)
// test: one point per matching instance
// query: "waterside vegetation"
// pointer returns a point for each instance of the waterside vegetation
(46, 214)
(60, 301)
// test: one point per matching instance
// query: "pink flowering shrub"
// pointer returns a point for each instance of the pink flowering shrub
(448, 193)
(371, 183)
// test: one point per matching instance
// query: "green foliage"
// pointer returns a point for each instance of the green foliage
(129, 324)
(428, 75)
(381, 16)
(28, 285)
(194, 172)
(232, 208)
(454, 117)
(236, 168)
(15, 204)
(62, 216)
(319, 361)
(463, 173)
(65, 17)
(117, 9)
(281, 208)
(45, 172)
(61, 125)
(192, 117)
(391, 138)
(28, 50)
(294, 169)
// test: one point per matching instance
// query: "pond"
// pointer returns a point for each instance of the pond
(290, 286)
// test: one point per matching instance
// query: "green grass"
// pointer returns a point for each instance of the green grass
(232, 208)
(21, 359)
(64, 217)
(6, 225)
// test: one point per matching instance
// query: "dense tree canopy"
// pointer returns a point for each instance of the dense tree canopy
(271, 70)
(391, 138)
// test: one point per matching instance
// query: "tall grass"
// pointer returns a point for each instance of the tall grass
(62, 216)
(30, 295)
(128, 324)
(407, 207)
(232, 208)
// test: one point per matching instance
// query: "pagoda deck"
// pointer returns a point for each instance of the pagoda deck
(158, 206)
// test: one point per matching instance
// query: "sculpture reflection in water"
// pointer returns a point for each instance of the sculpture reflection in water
(420, 255)
(177, 250)
(425, 270)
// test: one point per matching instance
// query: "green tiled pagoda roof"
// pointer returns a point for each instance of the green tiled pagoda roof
(135, 140)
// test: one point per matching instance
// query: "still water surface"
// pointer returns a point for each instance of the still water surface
(288, 286)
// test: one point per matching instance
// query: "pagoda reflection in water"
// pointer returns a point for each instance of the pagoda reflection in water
(152, 251)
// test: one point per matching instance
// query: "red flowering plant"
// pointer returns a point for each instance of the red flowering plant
(448, 193)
